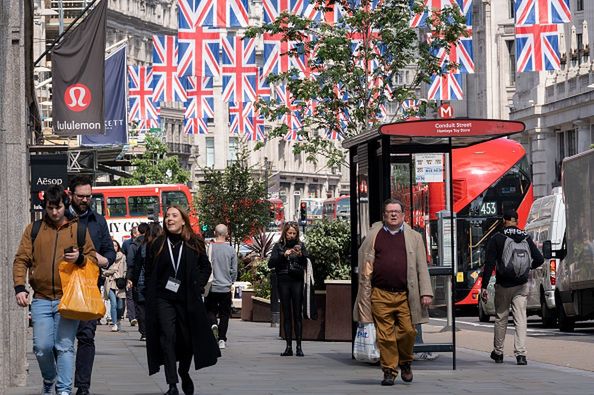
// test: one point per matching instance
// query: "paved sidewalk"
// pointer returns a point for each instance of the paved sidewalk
(251, 365)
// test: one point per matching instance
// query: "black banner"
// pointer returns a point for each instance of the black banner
(77, 77)
(48, 170)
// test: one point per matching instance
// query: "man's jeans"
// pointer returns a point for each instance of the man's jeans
(53, 343)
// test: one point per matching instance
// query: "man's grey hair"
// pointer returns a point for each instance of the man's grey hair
(221, 230)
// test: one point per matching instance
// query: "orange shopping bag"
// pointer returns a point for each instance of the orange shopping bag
(81, 299)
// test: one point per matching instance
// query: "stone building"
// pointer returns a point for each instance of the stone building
(18, 114)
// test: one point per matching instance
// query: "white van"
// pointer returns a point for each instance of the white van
(546, 221)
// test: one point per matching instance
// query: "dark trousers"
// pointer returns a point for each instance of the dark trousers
(130, 305)
(175, 336)
(140, 317)
(291, 297)
(219, 304)
(85, 353)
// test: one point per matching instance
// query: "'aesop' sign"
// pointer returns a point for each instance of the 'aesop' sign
(47, 170)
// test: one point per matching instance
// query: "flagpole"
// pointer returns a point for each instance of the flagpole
(53, 44)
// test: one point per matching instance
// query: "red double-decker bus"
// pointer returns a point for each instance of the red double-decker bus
(127, 206)
(487, 179)
(337, 208)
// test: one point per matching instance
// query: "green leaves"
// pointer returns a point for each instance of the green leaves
(328, 244)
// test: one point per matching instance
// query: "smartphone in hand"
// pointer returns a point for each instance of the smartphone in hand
(68, 250)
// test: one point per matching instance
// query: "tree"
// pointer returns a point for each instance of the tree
(234, 197)
(348, 68)
(155, 166)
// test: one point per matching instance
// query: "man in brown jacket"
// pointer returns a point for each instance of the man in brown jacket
(38, 258)
(394, 289)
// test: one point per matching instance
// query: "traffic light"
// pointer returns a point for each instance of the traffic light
(303, 211)
(204, 228)
(153, 213)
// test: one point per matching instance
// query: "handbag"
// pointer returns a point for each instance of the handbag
(365, 347)
(120, 283)
(295, 269)
(81, 298)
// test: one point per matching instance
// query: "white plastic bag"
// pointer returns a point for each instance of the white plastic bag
(365, 348)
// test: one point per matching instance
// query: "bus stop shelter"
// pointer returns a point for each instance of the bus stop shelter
(407, 160)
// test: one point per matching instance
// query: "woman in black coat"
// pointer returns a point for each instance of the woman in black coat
(289, 260)
(177, 328)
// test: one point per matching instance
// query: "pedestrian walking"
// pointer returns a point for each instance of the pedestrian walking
(218, 302)
(133, 234)
(394, 289)
(131, 256)
(81, 193)
(289, 260)
(43, 245)
(176, 270)
(115, 287)
(137, 282)
(512, 254)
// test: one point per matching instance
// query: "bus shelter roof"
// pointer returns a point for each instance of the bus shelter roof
(454, 132)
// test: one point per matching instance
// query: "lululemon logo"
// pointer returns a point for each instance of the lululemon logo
(77, 97)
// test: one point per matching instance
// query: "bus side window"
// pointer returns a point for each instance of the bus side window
(97, 204)
(139, 205)
(177, 198)
(116, 206)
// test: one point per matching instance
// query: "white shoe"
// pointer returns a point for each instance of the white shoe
(425, 356)
(115, 328)
(222, 344)
(215, 331)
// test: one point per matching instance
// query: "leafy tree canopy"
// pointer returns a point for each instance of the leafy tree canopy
(350, 67)
(234, 197)
(155, 166)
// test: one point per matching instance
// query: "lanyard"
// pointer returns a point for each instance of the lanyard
(173, 263)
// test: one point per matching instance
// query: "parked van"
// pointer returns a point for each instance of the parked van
(546, 221)
(574, 293)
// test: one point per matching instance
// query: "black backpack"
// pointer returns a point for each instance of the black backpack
(80, 234)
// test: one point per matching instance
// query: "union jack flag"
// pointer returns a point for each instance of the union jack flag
(140, 93)
(147, 124)
(302, 57)
(166, 84)
(544, 12)
(466, 8)
(200, 102)
(537, 48)
(276, 56)
(409, 109)
(255, 125)
(431, 6)
(238, 115)
(216, 13)
(239, 69)
(198, 47)
(460, 53)
(334, 14)
(446, 87)
(273, 8)
(263, 89)
(196, 125)
(291, 118)
(312, 10)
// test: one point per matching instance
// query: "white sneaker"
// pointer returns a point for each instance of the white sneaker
(115, 328)
(215, 331)
(425, 356)
(222, 344)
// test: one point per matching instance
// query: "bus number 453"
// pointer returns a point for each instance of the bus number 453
(488, 208)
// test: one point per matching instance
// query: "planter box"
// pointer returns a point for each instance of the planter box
(312, 329)
(247, 305)
(339, 312)
(260, 309)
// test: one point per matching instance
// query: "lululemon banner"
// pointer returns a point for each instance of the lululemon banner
(78, 76)
(116, 127)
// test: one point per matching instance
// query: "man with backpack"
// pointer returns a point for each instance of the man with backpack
(512, 254)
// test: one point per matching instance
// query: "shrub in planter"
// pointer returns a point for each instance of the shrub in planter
(329, 244)
(256, 271)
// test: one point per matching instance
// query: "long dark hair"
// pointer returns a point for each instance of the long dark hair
(191, 239)
(286, 227)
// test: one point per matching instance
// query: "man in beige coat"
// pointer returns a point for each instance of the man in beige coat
(394, 289)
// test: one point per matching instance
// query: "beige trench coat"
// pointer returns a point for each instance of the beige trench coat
(418, 281)
(116, 270)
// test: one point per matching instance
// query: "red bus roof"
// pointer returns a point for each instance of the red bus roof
(145, 188)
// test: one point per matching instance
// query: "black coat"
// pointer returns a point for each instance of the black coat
(204, 345)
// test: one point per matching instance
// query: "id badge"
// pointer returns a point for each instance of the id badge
(173, 284)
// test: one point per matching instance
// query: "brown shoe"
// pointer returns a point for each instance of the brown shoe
(389, 377)
(406, 372)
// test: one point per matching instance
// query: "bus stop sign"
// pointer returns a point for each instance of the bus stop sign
(446, 111)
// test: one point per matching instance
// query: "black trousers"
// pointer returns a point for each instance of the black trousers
(219, 304)
(130, 305)
(291, 297)
(140, 318)
(175, 337)
(85, 353)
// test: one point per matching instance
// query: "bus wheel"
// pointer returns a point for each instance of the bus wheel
(483, 316)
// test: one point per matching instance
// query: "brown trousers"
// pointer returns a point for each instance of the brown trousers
(395, 331)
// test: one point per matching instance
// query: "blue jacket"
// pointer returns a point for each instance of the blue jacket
(97, 227)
